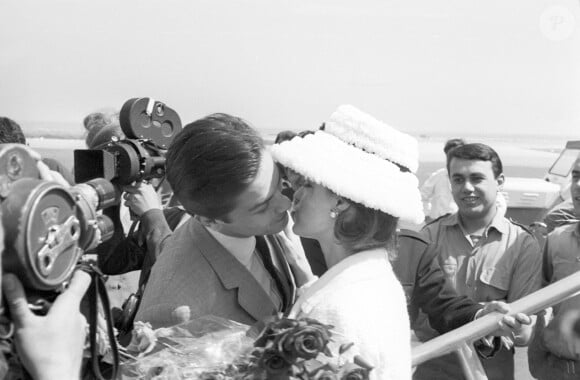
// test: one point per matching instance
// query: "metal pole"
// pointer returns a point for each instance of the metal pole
(530, 304)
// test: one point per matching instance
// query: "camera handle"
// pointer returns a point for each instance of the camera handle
(98, 291)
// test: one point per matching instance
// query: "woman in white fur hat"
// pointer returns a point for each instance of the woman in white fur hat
(358, 183)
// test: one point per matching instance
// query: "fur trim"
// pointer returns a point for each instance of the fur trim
(353, 173)
(364, 131)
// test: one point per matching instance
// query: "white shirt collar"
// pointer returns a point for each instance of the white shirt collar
(242, 248)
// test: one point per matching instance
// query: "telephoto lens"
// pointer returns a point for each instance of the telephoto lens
(91, 197)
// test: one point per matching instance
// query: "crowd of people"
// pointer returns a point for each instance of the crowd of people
(311, 227)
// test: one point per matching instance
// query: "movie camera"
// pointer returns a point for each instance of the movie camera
(46, 226)
(150, 126)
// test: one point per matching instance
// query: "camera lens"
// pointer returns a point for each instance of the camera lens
(108, 195)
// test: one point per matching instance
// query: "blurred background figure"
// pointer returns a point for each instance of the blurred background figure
(284, 136)
(436, 190)
(11, 133)
(101, 128)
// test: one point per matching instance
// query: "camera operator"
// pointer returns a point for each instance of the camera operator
(114, 260)
(51, 346)
(128, 148)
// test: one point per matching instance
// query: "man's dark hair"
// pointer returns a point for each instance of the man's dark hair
(211, 162)
(452, 143)
(10, 132)
(478, 152)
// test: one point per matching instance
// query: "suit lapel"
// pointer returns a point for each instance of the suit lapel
(232, 274)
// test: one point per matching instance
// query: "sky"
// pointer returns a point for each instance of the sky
(434, 67)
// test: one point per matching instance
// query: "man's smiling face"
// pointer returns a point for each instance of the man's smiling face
(474, 187)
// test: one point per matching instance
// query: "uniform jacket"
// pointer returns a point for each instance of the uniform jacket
(426, 286)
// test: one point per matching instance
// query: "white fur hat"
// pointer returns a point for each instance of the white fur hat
(360, 158)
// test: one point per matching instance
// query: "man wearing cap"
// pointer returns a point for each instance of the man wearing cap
(233, 259)
(484, 255)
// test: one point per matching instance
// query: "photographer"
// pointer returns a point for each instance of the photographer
(51, 346)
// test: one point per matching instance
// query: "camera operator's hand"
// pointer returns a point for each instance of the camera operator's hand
(141, 197)
(51, 346)
(45, 172)
(50, 175)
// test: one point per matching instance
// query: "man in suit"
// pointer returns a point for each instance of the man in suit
(236, 258)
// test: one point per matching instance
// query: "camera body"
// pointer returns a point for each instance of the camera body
(150, 126)
(45, 226)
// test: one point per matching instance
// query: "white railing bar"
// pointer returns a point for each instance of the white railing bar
(530, 304)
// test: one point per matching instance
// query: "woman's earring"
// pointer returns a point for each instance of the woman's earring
(333, 214)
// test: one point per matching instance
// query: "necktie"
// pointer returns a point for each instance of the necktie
(264, 252)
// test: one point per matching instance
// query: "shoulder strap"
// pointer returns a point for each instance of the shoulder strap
(97, 291)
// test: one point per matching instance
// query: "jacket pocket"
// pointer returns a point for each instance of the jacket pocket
(496, 277)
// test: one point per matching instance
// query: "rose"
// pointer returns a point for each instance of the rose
(352, 371)
(273, 362)
(304, 341)
(274, 329)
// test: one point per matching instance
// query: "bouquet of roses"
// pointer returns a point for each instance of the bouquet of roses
(287, 349)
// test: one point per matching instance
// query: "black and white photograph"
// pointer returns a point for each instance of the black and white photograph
(290, 190)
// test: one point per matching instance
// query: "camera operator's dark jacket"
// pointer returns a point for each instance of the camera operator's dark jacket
(140, 249)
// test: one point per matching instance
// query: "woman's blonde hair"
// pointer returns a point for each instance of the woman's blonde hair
(361, 228)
